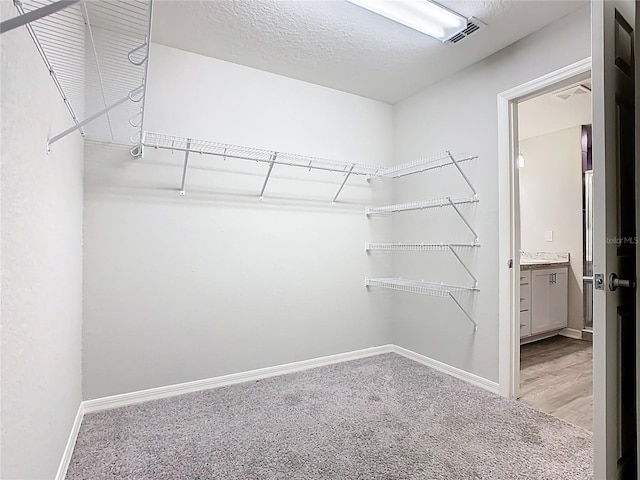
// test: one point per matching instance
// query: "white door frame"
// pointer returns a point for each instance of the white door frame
(509, 215)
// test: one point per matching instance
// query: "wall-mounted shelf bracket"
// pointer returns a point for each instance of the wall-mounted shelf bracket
(26, 18)
(184, 167)
(274, 157)
(475, 325)
(346, 177)
(424, 288)
(90, 119)
(464, 265)
(464, 175)
(455, 207)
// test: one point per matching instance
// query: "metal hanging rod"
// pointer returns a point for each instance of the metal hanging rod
(405, 247)
(419, 205)
(424, 288)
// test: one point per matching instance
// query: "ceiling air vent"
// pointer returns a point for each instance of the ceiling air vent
(574, 91)
(473, 25)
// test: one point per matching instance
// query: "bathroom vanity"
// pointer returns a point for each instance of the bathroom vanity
(544, 290)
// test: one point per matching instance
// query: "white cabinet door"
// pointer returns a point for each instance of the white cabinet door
(549, 301)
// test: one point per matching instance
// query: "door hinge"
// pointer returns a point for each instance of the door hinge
(510, 263)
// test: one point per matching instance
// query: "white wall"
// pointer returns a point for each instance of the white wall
(551, 199)
(183, 288)
(461, 113)
(41, 265)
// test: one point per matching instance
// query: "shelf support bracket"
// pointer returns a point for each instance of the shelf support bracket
(90, 119)
(343, 183)
(455, 207)
(466, 179)
(184, 167)
(271, 164)
(475, 280)
(475, 325)
(34, 15)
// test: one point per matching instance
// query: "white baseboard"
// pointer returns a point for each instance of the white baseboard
(71, 443)
(448, 369)
(571, 333)
(540, 336)
(131, 398)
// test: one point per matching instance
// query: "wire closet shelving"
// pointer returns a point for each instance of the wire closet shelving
(422, 287)
(96, 53)
(274, 158)
(423, 247)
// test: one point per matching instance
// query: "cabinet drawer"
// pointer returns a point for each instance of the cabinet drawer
(525, 277)
(525, 297)
(525, 324)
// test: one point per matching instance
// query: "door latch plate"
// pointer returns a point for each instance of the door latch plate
(598, 281)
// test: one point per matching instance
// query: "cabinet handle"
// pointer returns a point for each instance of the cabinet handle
(522, 325)
(522, 299)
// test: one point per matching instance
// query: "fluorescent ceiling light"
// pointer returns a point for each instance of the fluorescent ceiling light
(422, 15)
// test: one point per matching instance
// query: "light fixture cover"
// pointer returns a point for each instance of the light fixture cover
(422, 15)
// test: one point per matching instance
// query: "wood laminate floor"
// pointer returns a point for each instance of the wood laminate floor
(556, 377)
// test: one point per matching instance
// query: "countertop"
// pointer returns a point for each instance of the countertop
(532, 265)
(535, 260)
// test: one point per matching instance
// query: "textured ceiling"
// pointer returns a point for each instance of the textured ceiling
(339, 45)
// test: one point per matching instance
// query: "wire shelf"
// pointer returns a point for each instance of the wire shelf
(425, 288)
(417, 286)
(398, 246)
(426, 163)
(172, 142)
(96, 53)
(420, 205)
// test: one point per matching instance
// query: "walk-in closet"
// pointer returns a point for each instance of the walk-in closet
(264, 239)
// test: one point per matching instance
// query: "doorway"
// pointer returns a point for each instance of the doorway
(510, 242)
(556, 353)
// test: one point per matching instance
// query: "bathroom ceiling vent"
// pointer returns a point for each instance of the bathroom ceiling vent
(473, 25)
(571, 92)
